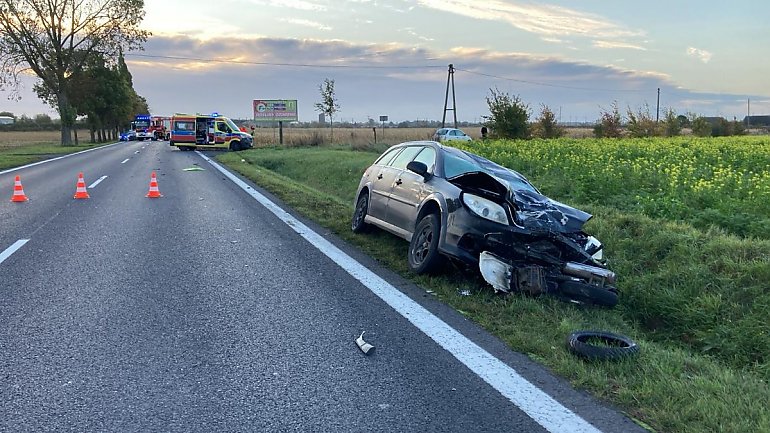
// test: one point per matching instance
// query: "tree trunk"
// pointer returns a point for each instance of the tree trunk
(65, 116)
(93, 134)
(75, 131)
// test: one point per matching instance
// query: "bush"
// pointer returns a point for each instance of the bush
(672, 124)
(546, 125)
(509, 116)
(641, 124)
(609, 124)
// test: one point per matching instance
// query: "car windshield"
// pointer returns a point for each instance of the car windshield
(232, 125)
(459, 163)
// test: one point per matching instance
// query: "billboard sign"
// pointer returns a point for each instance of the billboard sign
(275, 110)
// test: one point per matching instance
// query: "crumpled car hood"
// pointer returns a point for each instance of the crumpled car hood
(539, 211)
(534, 211)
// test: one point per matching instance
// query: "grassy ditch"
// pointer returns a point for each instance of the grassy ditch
(21, 148)
(695, 300)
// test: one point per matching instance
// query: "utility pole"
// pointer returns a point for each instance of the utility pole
(450, 79)
(748, 113)
(657, 110)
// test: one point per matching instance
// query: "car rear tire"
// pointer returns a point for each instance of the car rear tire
(588, 293)
(358, 225)
(423, 255)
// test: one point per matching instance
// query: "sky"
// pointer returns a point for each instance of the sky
(391, 57)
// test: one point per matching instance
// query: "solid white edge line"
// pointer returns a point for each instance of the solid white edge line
(125, 160)
(97, 182)
(11, 170)
(537, 404)
(12, 249)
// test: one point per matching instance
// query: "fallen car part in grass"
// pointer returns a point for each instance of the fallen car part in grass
(363, 345)
(601, 345)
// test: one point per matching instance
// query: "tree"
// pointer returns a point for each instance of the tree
(610, 123)
(328, 105)
(508, 115)
(546, 125)
(700, 126)
(55, 39)
(641, 123)
(672, 124)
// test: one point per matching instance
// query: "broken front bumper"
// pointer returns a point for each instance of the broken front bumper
(532, 279)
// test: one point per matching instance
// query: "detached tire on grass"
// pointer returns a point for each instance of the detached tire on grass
(601, 346)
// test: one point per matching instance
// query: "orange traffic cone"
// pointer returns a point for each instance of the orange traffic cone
(18, 191)
(81, 188)
(154, 191)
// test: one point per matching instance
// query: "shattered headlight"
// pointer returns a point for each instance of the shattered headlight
(485, 208)
(594, 247)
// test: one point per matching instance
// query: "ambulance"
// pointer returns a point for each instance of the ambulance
(207, 131)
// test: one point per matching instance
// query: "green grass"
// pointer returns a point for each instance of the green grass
(695, 300)
(28, 153)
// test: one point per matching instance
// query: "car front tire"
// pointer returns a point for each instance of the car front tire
(358, 225)
(423, 255)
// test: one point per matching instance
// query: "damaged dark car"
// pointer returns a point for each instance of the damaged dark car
(452, 204)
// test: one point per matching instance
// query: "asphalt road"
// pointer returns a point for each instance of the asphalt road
(202, 311)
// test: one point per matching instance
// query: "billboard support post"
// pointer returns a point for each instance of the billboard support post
(280, 132)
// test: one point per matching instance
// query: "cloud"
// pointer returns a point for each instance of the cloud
(553, 21)
(410, 31)
(702, 55)
(307, 23)
(292, 4)
(616, 44)
(553, 40)
(186, 74)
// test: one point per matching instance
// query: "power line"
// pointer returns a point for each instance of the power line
(299, 65)
(559, 86)
(348, 66)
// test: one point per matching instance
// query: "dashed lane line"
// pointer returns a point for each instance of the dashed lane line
(97, 182)
(12, 249)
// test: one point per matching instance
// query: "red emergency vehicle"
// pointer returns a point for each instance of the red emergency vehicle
(152, 127)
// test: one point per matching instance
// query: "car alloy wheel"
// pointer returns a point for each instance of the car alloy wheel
(362, 206)
(423, 253)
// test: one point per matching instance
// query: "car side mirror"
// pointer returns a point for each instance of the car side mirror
(419, 168)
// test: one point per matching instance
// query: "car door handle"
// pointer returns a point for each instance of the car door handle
(379, 177)
(398, 182)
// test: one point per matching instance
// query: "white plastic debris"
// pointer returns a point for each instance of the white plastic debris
(363, 345)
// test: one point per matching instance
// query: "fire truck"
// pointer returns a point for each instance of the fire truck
(207, 131)
(152, 127)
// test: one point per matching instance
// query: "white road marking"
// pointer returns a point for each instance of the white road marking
(125, 160)
(137, 152)
(538, 405)
(12, 249)
(98, 181)
(10, 170)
